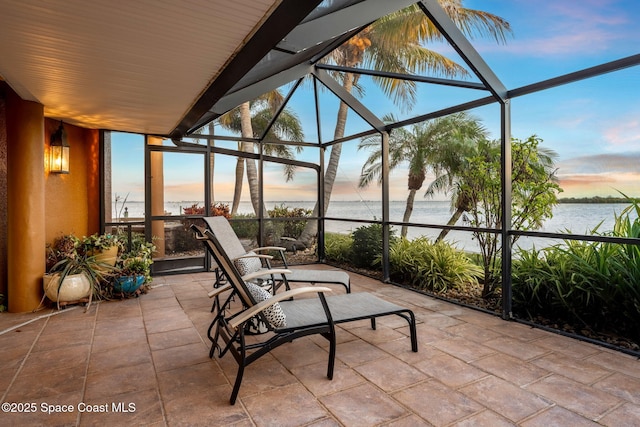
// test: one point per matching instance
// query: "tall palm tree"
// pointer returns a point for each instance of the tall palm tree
(251, 120)
(435, 144)
(395, 43)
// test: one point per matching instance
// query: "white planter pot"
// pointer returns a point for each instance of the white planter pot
(74, 287)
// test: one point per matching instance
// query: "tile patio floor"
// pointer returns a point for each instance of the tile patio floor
(472, 369)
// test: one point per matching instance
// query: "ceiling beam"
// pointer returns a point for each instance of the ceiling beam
(349, 99)
(315, 31)
(459, 42)
(280, 23)
(598, 70)
(401, 76)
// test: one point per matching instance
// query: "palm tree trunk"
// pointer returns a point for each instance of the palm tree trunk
(254, 186)
(408, 210)
(452, 221)
(252, 170)
(237, 191)
(247, 132)
(308, 235)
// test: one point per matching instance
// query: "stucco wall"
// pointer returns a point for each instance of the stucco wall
(3, 192)
(72, 202)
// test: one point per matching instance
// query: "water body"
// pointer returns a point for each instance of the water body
(577, 218)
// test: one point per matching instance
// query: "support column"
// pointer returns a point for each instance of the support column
(26, 203)
(156, 167)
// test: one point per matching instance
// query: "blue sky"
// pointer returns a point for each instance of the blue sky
(593, 125)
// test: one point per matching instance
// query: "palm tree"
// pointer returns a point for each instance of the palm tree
(252, 119)
(394, 43)
(436, 144)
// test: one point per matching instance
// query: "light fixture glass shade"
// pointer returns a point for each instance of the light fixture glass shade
(59, 151)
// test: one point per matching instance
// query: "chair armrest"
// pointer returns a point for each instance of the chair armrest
(261, 273)
(254, 256)
(270, 248)
(219, 290)
(250, 312)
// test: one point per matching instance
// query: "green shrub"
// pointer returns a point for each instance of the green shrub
(367, 245)
(294, 226)
(245, 229)
(337, 247)
(431, 266)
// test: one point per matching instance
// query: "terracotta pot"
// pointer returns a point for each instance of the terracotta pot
(74, 287)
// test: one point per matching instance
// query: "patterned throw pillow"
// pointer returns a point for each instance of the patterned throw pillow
(248, 265)
(274, 314)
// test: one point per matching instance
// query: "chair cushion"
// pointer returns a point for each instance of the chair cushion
(248, 265)
(273, 314)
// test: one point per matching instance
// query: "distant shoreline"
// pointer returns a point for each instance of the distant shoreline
(594, 199)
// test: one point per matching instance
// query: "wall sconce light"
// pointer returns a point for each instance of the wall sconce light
(59, 151)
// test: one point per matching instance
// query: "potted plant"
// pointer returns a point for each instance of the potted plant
(105, 247)
(133, 268)
(73, 273)
(131, 276)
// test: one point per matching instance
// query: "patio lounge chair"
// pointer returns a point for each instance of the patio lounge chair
(286, 318)
(232, 245)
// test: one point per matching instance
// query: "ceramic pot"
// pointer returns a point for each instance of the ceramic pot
(74, 287)
(107, 256)
(128, 284)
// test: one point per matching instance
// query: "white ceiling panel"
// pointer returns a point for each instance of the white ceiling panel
(134, 66)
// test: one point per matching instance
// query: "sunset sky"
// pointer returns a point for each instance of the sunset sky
(593, 125)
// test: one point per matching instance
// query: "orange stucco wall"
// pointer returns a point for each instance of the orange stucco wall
(72, 202)
(3, 189)
(25, 202)
(37, 206)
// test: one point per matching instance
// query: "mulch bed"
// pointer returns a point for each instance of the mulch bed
(471, 296)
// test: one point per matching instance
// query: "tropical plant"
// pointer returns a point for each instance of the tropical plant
(534, 193)
(431, 266)
(395, 43)
(439, 144)
(137, 260)
(591, 285)
(69, 255)
(82, 263)
(338, 247)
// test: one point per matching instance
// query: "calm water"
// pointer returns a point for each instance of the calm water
(577, 218)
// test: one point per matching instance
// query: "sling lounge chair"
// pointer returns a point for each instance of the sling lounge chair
(286, 318)
(232, 245)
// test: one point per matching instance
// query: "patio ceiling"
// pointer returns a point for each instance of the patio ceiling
(166, 68)
(137, 67)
